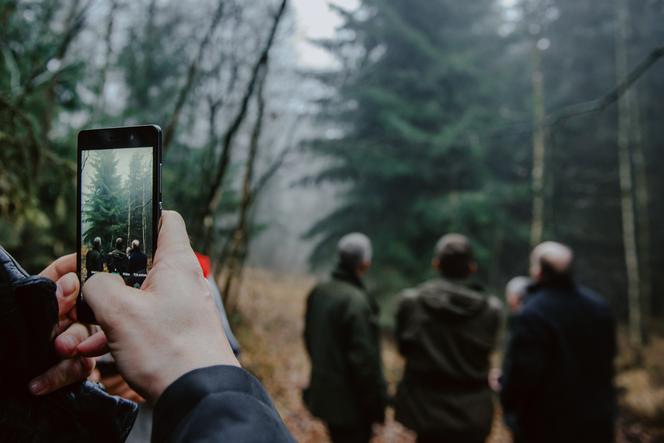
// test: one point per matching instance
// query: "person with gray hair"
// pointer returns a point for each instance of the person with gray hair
(515, 293)
(355, 251)
(138, 265)
(557, 382)
(446, 330)
(94, 259)
(347, 388)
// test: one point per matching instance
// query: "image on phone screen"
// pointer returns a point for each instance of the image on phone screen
(116, 212)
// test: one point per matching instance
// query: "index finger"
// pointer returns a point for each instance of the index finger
(60, 267)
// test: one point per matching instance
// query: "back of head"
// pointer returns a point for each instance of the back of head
(354, 250)
(135, 245)
(551, 264)
(119, 243)
(454, 255)
(96, 243)
(515, 291)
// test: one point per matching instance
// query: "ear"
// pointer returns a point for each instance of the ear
(435, 263)
(472, 268)
(363, 267)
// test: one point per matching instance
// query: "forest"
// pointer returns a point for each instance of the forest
(509, 121)
(116, 205)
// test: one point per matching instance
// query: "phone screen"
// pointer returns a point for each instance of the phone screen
(116, 225)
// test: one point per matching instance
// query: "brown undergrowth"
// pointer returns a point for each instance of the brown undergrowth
(269, 323)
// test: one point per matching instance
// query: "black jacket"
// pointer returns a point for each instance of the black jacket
(558, 369)
(138, 262)
(446, 330)
(217, 404)
(94, 262)
(82, 412)
(346, 387)
(117, 262)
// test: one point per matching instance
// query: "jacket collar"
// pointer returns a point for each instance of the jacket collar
(347, 275)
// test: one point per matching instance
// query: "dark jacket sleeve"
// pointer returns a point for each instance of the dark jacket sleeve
(403, 332)
(365, 362)
(218, 403)
(526, 363)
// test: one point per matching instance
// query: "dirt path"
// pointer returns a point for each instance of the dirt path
(272, 312)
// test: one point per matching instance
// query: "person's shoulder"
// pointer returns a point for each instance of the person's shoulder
(494, 304)
(416, 292)
(596, 301)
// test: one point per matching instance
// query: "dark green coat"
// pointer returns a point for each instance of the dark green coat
(347, 387)
(446, 331)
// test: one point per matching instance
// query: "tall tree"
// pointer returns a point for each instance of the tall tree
(103, 209)
(628, 207)
(412, 113)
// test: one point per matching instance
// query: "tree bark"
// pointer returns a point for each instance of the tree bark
(626, 185)
(539, 148)
(110, 23)
(129, 214)
(238, 249)
(191, 77)
(643, 216)
(143, 218)
(216, 187)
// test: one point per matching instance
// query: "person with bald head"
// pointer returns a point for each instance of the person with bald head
(446, 330)
(557, 383)
(347, 389)
(516, 292)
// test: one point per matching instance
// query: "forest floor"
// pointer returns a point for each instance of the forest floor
(269, 325)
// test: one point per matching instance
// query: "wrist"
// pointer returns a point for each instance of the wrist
(165, 375)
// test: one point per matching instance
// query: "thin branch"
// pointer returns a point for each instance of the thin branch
(75, 23)
(215, 193)
(600, 104)
(192, 72)
(240, 234)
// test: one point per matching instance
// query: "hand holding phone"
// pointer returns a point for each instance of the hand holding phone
(119, 204)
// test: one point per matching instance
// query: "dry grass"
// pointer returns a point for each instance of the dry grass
(270, 326)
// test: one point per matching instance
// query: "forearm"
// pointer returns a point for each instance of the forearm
(220, 403)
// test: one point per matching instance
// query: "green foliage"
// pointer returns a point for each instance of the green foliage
(415, 108)
(102, 209)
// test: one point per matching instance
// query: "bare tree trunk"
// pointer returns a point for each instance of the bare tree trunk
(143, 219)
(99, 107)
(128, 213)
(191, 76)
(626, 187)
(643, 216)
(539, 148)
(238, 249)
(216, 187)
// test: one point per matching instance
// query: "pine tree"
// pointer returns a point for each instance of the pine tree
(103, 210)
(413, 107)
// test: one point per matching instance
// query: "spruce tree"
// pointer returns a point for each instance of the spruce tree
(104, 214)
(413, 106)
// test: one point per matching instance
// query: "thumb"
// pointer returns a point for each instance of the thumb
(107, 295)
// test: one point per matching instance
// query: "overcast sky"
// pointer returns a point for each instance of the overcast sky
(314, 19)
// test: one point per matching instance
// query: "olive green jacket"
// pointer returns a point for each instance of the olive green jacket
(446, 330)
(347, 387)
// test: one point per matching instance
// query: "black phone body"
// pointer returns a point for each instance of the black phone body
(118, 204)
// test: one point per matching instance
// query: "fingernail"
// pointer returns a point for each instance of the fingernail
(37, 387)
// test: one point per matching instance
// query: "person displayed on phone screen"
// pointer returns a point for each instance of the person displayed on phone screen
(138, 264)
(94, 259)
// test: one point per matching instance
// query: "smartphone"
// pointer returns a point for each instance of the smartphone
(119, 204)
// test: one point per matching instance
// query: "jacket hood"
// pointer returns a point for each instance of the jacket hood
(444, 298)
